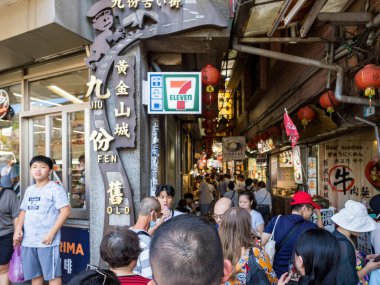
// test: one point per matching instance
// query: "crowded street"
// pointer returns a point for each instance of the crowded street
(190, 142)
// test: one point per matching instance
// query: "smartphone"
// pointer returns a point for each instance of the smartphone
(377, 259)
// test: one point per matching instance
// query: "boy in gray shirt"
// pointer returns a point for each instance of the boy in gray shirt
(44, 210)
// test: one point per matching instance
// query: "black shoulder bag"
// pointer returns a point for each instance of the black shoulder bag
(256, 275)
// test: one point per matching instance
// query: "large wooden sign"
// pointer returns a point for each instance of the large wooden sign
(118, 24)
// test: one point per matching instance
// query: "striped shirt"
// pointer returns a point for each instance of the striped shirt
(133, 280)
(143, 265)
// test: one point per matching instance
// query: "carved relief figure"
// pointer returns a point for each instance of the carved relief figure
(102, 21)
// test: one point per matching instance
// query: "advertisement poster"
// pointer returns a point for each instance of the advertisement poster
(233, 148)
(297, 165)
(312, 186)
(286, 159)
(312, 167)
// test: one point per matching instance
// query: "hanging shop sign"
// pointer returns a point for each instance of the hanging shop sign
(174, 93)
(343, 164)
(286, 159)
(265, 146)
(261, 159)
(297, 165)
(118, 25)
(233, 148)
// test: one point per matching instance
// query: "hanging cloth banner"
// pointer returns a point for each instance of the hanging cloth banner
(291, 130)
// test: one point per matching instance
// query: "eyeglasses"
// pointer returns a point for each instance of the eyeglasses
(216, 217)
(310, 207)
(98, 270)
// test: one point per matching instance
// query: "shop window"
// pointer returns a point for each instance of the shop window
(66, 89)
(10, 108)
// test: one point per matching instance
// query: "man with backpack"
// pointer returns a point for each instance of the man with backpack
(149, 210)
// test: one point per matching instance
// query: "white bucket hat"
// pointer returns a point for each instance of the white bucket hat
(354, 217)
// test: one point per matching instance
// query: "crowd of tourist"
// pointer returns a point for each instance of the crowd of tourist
(229, 238)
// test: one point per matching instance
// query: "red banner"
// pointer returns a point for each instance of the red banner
(291, 130)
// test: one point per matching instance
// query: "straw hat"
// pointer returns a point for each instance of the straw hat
(354, 217)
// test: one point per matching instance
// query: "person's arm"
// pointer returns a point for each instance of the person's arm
(368, 268)
(260, 229)
(18, 224)
(264, 238)
(64, 213)
(319, 218)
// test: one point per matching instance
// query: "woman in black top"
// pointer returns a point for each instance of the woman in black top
(315, 260)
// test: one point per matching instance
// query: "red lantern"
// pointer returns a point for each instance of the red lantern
(306, 115)
(210, 114)
(210, 75)
(368, 79)
(209, 98)
(209, 124)
(265, 135)
(274, 131)
(328, 101)
(209, 131)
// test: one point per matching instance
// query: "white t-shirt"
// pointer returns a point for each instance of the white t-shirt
(41, 206)
(375, 238)
(257, 219)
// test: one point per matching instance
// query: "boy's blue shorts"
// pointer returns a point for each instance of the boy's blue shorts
(41, 261)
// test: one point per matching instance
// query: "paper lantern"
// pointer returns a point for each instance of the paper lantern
(209, 98)
(210, 75)
(328, 101)
(306, 115)
(368, 79)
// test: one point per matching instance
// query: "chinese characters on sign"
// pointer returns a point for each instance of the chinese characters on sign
(116, 197)
(342, 166)
(148, 4)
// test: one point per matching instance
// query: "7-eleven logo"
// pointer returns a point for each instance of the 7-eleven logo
(180, 93)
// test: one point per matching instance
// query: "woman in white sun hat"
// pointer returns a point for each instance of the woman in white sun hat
(352, 220)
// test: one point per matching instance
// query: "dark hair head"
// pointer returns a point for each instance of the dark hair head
(165, 187)
(43, 159)
(261, 184)
(189, 196)
(120, 247)
(95, 277)
(186, 248)
(250, 196)
(231, 185)
(81, 158)
(248, 182)
(182, 203)
(199, 178)
(255, 181)
(296, 208)
(319, 250)
(240, 176)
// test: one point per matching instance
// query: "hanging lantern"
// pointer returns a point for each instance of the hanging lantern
(265, 135)
(209, 124)
(209, 131)
(210, 75)
(368, 79)
(306, 115)
(210, 114)
(209, 98)
(328, 101)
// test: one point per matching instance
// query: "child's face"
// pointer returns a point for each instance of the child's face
(40, 171)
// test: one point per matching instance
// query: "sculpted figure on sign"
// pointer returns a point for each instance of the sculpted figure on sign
(102, 21)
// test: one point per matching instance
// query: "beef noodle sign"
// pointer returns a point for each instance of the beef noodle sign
(118, 24)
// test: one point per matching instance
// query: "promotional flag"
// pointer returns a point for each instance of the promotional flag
(291, 130)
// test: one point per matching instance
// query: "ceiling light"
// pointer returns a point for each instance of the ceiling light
(38, 100)
(64, 94)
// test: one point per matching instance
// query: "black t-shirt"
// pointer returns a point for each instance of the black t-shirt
(347, 274)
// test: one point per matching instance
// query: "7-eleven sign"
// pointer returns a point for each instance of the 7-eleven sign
(181, 92)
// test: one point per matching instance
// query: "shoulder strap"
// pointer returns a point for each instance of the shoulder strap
(2, 192)
(272, 234)
(264, 198)
(284, 240)
(143, 233)
(256, 274)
